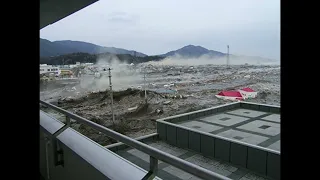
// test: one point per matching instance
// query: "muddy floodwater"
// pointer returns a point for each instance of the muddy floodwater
(171, 90)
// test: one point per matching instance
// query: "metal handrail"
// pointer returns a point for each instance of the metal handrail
(151, 151)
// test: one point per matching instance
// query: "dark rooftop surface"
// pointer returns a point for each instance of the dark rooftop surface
(250, 126)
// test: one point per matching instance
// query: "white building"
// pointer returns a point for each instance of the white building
(88, 64)
(44, 68)
(63, 66)
(248, 93)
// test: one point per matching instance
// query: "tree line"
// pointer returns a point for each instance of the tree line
(92, 58)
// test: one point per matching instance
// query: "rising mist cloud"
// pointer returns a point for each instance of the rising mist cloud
(205, 59)
(123, 75)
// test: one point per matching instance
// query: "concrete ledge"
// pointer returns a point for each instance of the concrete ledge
(219, 109)
(50, 124)
(207, 146)
(260, 107)
(182, 138)
(200, 113)
(273, 166)
(120, 146)
(165, 124)
(108, 163)
(257, 160)
(222, 149)
(238, 154)
(162, 131)
(194, 141)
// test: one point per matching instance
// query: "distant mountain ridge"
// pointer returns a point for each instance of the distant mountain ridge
(194, 52)
(191, 51)
(56, 48)
(66, 47)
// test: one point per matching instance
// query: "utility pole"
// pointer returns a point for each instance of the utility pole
(145, 88)
(228, 57)
(134, 57)
(111, 96)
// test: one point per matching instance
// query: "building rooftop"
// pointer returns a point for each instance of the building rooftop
(241, 134)
(250, 126)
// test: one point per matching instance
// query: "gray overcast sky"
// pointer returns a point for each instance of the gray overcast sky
(250, 27)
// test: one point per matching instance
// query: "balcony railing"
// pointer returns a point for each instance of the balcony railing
(154, 153)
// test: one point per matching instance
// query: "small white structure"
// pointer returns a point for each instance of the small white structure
(248, 93)
(44, 68)
(97, 75)
(63, 66)
(88, 64)
(73, 65)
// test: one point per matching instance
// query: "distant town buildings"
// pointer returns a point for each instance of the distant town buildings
(61, 70)
(49, 69)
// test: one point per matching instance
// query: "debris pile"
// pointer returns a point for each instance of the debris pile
(186, 89)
